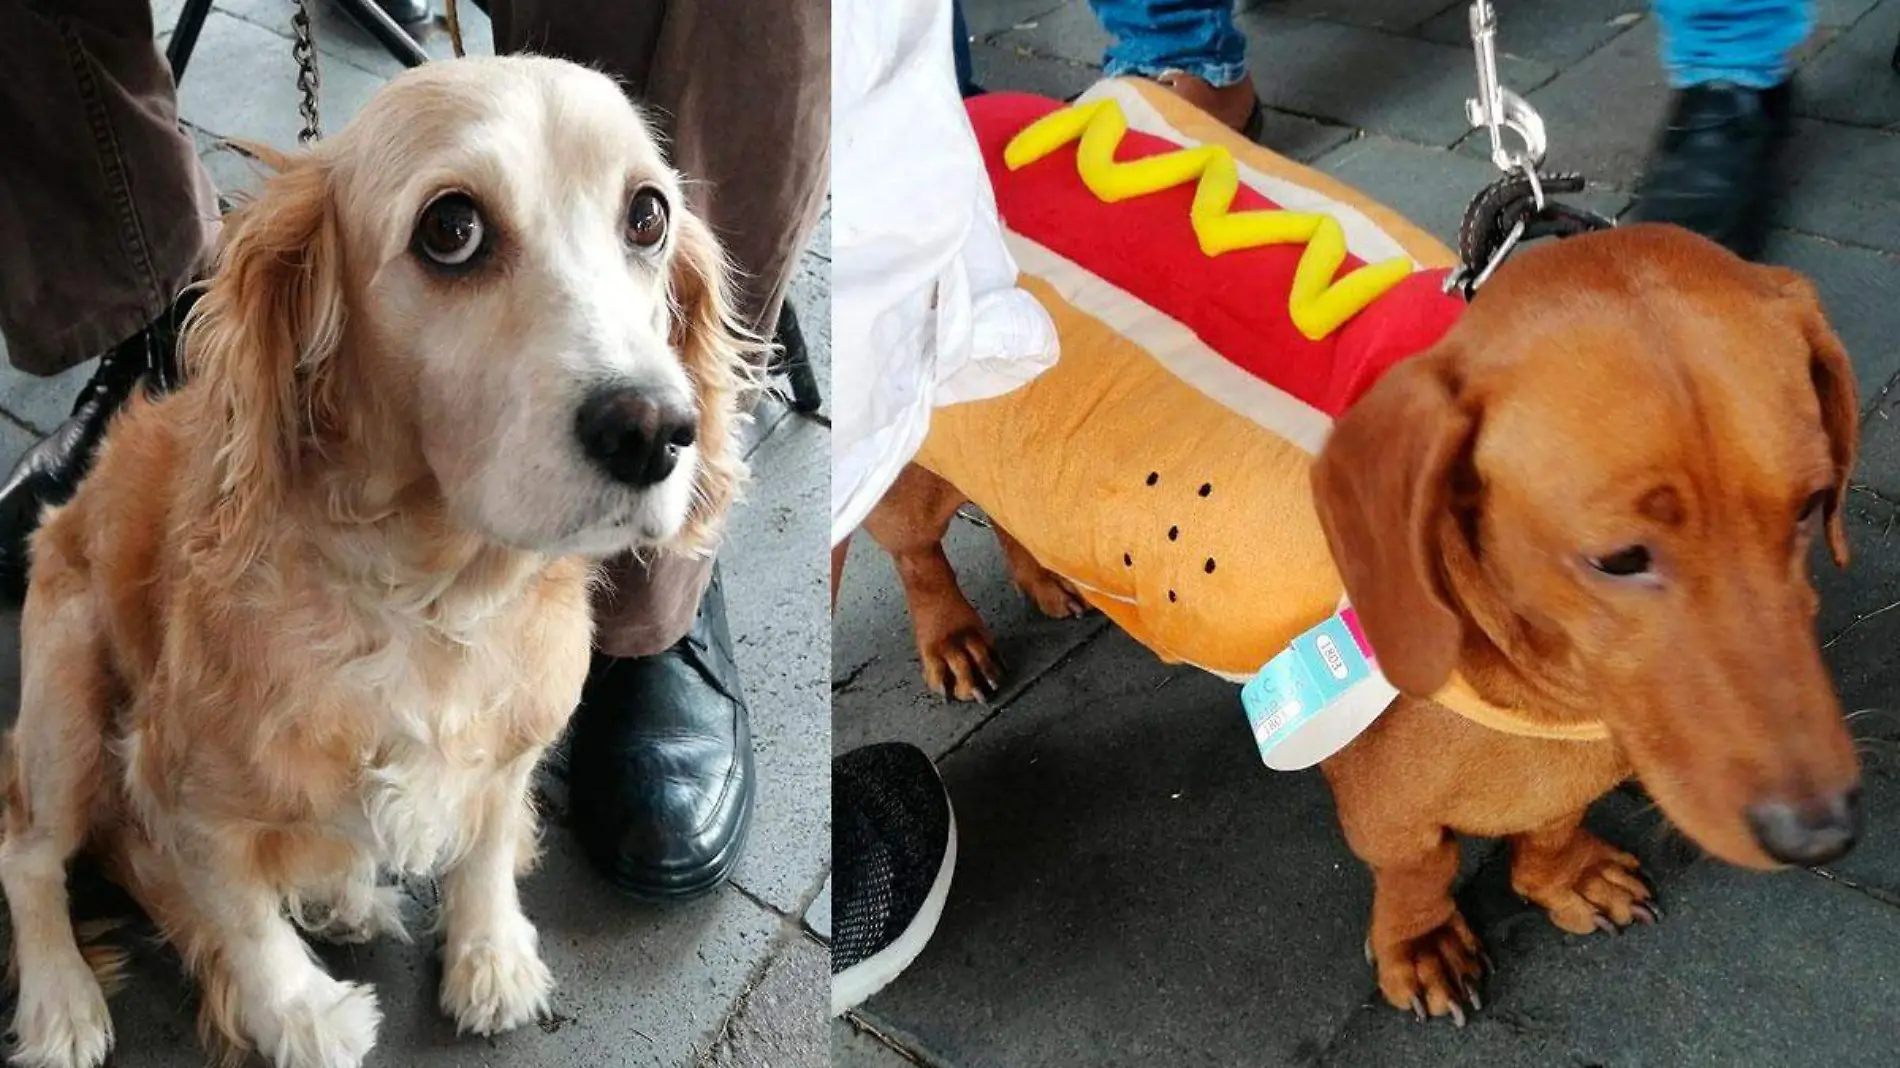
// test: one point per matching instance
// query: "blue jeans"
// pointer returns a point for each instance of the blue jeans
(1153, 37)
(1746, 42)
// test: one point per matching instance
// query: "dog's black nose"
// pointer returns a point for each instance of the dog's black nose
(1810, 832)
(636, 435)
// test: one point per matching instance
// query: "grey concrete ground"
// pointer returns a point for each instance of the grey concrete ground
(735, 981)
(1135, 889)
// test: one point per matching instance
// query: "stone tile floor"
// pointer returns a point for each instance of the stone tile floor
(736, 980)
(1135, 889)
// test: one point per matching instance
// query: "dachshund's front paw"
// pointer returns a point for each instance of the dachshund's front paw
(1588, 886)
(1434, 974)
(960, 662)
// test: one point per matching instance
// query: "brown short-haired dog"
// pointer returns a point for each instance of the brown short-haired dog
(1594, 501)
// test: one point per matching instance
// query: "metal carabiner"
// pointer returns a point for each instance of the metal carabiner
(1495, 108)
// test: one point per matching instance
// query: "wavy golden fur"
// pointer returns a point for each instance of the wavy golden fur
(315, 616)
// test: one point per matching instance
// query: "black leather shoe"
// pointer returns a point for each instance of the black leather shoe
(660, 774)
(1713, 169)
(50, 472)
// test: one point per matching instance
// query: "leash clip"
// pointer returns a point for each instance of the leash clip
(1510, 211)
(1496, 109)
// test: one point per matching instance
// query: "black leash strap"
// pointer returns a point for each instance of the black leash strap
(1510, 211)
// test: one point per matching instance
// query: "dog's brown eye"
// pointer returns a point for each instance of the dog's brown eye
(646, 219)
(1623, 562)
(451, 232)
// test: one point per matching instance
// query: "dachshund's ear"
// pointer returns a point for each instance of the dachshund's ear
(262, 340)
(723, 360)
(1382, 486)
(1834, 387)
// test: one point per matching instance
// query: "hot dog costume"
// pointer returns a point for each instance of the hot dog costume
(1218, 308)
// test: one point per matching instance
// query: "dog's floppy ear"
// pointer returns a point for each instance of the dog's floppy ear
(262, 340)
(1834, 385)
(1382, 486)
(722, 358)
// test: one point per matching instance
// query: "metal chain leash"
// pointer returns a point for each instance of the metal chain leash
(303, 49)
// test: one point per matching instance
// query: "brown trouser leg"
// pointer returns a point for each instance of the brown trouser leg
(105, 211)
(742, 89)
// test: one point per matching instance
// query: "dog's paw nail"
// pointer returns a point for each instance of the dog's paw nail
(1457, 1014)
(1485, 962)
(1418, 1008)
(1471, 995)
(1370, 959)
(1605, 925)
(1643, 915)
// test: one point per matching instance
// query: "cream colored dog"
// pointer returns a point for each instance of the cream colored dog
(314, 618)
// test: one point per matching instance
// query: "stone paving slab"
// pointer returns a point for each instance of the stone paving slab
(1133, 887)
(1557, 32)
(1391, 15)
(781, 1022)
(877, 686)
(1850, 80)
(1321, 69)
(1843, 183)
(851, 1048)
(776, 600)
(339, 38)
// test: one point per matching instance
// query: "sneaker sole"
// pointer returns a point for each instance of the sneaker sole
(856, 984)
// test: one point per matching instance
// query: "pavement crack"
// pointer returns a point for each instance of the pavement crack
(1880, 894)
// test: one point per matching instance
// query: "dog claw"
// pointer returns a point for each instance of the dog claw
(1471, 995)
(1644, 915)
(1485, 961)
(1370, 957)
(1418, 1008)
(1605, 925)
(1457, 1015)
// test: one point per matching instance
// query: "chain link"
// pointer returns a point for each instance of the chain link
(304, 49)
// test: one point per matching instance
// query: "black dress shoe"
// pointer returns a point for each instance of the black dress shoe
(660, 775)
(50, 472)
(1713, 169)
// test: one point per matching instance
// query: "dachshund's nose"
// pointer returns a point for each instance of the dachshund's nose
(1809, 832)
(636, 435)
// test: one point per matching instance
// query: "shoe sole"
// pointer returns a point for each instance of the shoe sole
(858, 983)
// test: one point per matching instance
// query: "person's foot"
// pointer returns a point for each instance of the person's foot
(50, 471)
(1233, 106)
(893, 852)
(659, 764)
(1712, 170)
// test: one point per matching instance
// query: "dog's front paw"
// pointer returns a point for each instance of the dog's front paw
(331, 1024)
(61, 1020)
(497, 983)
(1588, 886)
(1436, 973)
(961, 662)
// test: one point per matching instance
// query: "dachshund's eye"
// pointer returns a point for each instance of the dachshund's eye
(646, 219)
(1623, 563)
(1815, 505)
(451, 233)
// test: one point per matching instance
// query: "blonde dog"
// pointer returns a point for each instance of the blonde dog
(315, 616)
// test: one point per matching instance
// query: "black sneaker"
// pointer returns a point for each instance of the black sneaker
(49, 472)
(893, 849)
(1713, 169)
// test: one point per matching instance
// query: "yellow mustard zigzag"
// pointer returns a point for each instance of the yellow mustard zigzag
(1317, 304)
